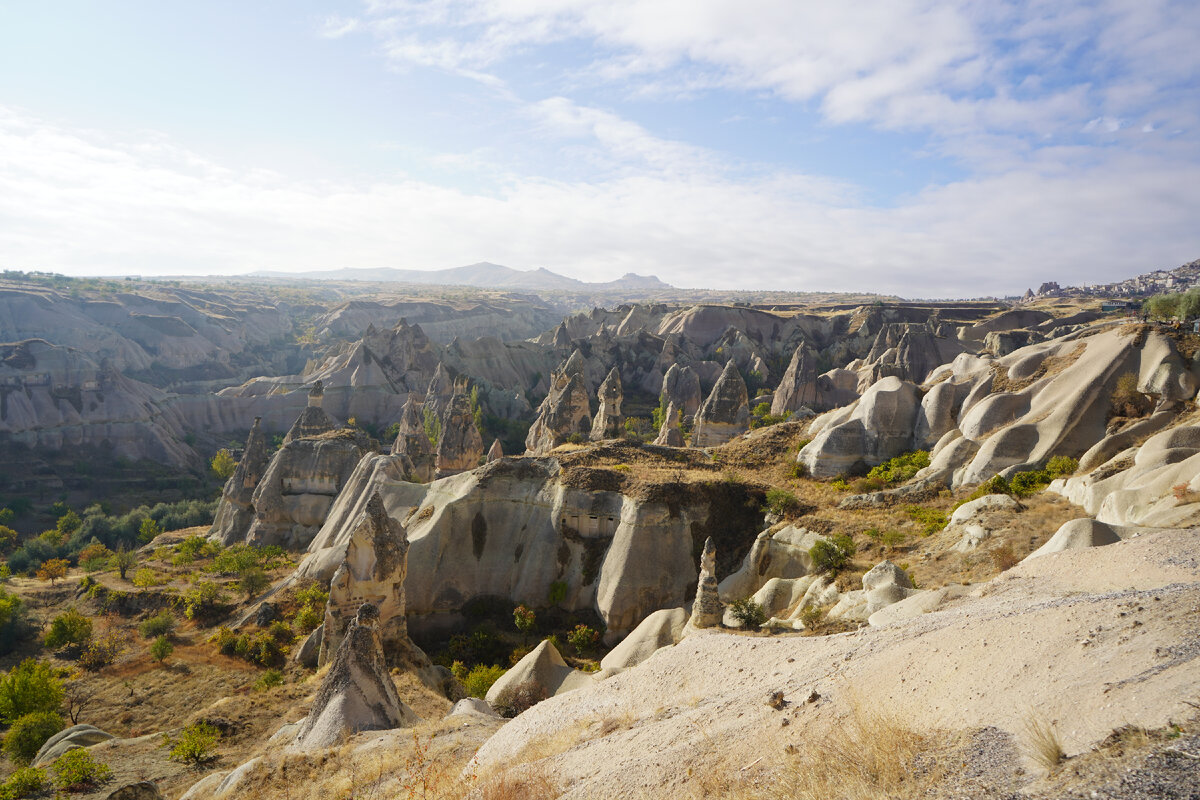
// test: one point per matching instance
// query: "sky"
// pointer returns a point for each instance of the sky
(927, 149)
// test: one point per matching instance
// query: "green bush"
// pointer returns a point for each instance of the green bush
(160, 648)
(238, 558)
(480, 678)
(832, 554)
(29, 733)
(69, 628)
(761, 416)
(557, 593)
(76, 770)
(749, 613)
(782, 503)
(161, 624)
(22, 783)
(312, 595)
(901, 468)
(12, 620)
(196, 744)
(1060, 466)
(101, 652)
(931, 519)
(583, 638)
(268, 680)
(28, 687)
(307, 619)
(194, 547)
(253, 581)
(204, 600)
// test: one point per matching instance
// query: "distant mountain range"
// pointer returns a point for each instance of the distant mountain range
(483, 275)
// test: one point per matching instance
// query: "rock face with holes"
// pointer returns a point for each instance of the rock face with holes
(725, 413)
(459, 447)
(412, 444)
(235, 513)
(566, 411)
(357, 693)
(372, 572)
(607, 423)
(518, 528)
(706, 608)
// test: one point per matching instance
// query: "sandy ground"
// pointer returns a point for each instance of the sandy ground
(1086, 640)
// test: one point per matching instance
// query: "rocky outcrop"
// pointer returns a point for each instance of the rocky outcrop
(880, 426)
(725, 413)
(906, 351)
(496, 451)
(670, 434)
(681, 386)
(798, 388)
(439, 391)
(707, 610)
(72, 738)
(412, 444)
(783, 554)
(544, 668)
(372, 572)
(566, 411)
(661, 629)
(608, 420)
(1075, 534)
(883, 585)
(460, 446)
(235, 512)
(313, 421)
(357, 693)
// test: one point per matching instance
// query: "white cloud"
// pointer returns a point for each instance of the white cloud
(335, 26)
(77, 202)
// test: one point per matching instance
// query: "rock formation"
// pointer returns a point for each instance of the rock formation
(707, 610)
(313, 421)
(799, 384)
(544, 668)
(495, 451)
(607, 423)
(441, 389)
(725, 413)
(412, 444)
(566, 411)
(681, 386)
(459, 447)
(357, 693)
(879, 427)
(372, 572)
(670, 434)
(235, 512)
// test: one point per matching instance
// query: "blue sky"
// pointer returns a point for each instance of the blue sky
(927, 149)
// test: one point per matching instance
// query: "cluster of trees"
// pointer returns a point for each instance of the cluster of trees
(1185, 305)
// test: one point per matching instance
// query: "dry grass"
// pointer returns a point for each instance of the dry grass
(1041, 743)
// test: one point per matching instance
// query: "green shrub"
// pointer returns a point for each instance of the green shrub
(749, 613)
(28, 687)
(307, 619)
(480, 678)
(312, 595)
(832, 554)
(253, 581)
(122, 560)
(29, 733)
(194, 547)
(931, 519)
(196, 744)
(101, 652)
(161, 624)
(515, 699)
(901, 468)
(76, 770)
(524, 619)
(203, 601)
(146, 578)
(782, 503)
(238, 558)
(226, 641)
(69, 628)
(761, 416)
(1060, 466)
(583, 638)
(557, 593)
(25, 781)
(160, 648)
(268, 680)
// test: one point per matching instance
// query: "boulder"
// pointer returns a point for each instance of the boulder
(798, 387)
(707, 611)
(983, 505)
(608, 421)
(880, 427)
(73, 737)
(884, 585)
(1076, 534)
(308, 654)
(357, 693)
(681, 386)
(496, 451)
(725, 413)
(783, 554)
(544, 667)
(566, 411)
(661, 629)
(142, 790)
(459, 446)
(472, 707)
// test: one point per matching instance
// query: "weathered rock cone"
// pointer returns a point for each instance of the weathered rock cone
(565, 412)
(357, 693)
(459, 446)
(607, 423)
(726, 412)
(412, 444)
(706, 609)
(495, 452)
(235, 513)
(681, 386)
(670, 435)
(441, 389)
(313, 421)
(799, 384)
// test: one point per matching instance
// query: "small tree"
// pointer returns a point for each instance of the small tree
(77, 769)
(196, 744)
(29, 733)
(70, 628)
(749, 613)
(524, 619)
(583, 638)
(253, 580)
(28, 687)
(53, 570)
(223, 464)
(160, 648)
(123, 560)
(148, 530)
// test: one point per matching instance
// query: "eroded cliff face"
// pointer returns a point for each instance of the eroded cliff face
(516, 526)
